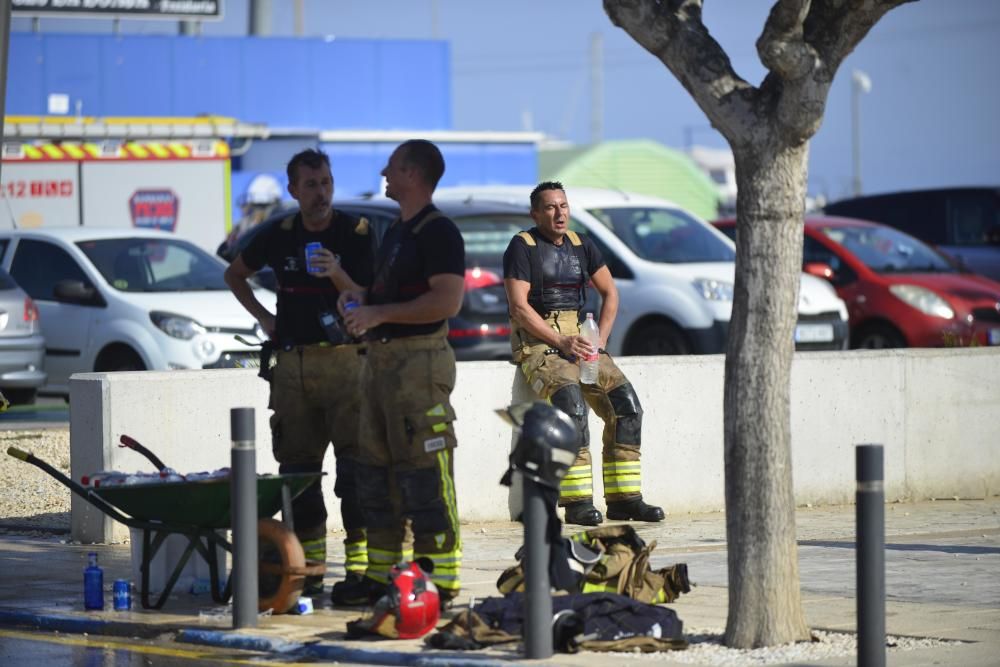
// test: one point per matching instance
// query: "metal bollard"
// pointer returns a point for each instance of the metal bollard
(537, 595)
(870, 555)
(243, 509)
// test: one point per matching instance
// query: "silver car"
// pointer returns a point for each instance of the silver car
(22, 347)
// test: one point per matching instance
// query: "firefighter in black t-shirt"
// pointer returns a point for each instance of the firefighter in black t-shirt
(546, 270)
(406, 471)
(314, 384)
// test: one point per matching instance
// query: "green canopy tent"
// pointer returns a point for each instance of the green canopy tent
(637, 165)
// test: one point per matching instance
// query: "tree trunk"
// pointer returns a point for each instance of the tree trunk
(765, 606)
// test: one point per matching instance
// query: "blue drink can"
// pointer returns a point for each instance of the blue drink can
(310, 249)
(122, 595)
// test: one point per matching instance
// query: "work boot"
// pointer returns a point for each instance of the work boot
(313, 586)
(634, 509)
(583, 514)
(356, 591)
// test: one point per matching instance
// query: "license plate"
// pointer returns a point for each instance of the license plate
(814, 333)
(994, 336)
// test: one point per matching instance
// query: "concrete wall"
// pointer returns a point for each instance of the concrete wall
(937, 412)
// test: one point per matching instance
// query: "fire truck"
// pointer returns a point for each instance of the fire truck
(177, 185)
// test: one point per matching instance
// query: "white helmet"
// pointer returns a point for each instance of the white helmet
(263, 189)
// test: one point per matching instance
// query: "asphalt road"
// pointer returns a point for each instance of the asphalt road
(45, 413)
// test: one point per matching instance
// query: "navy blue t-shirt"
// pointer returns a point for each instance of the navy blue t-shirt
(302, 296)
(562, 276)
(406, 261)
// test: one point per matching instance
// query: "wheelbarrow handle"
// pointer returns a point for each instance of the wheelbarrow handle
(18, 454)
(78, 489)
(132, 443)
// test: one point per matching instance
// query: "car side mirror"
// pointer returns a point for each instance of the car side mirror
(820, 270)
(74, 291)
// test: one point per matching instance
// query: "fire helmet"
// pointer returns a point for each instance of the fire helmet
(547, 443)
(411, 601)
(263, 190)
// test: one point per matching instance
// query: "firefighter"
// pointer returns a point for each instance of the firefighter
(546, 270)
(406, 472)
(314, 384)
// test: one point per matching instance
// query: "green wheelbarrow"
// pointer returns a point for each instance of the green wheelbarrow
(198, 510)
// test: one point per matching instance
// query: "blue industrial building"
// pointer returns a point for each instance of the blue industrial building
(354, 98)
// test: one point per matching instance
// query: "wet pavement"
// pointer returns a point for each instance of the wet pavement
(942, 564)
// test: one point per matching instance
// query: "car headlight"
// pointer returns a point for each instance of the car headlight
(176, 326)
(924, 300)
(713, 290)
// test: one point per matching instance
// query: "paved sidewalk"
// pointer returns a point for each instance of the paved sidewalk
(942, 581)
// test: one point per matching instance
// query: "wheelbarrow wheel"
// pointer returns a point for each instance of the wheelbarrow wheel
(282, 567)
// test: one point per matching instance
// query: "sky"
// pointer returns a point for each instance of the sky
(931, 118)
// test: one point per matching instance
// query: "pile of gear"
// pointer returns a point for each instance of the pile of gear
(609, 595)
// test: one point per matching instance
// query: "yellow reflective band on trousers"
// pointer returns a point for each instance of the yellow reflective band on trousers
(621, 477)
(315, 550)
(578, 484)
(447, 564)
(380, 561)
(356, 551)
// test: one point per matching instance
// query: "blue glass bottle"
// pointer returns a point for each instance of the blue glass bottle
(93, 584)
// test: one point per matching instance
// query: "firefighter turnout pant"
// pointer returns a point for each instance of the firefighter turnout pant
(557, 380)
(406, 466)
(315, 399)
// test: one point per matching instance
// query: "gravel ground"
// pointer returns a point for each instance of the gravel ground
(33, 499)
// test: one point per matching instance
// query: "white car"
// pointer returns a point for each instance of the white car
(128, 299)
(674, 273)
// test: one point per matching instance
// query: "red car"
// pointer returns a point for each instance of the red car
(899, 292)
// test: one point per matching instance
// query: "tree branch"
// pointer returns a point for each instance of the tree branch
(673, 31)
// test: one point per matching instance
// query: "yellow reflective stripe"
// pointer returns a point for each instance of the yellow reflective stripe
(623, 466)
(437, 428)
(137, 150)
(93, 150)
(180, 150)
(74, 151)
(33, 153)
(159, 150)
(356, 556)
(436, 411)
(596, 587)
(52, 151)
(449, 496)
(622, 488)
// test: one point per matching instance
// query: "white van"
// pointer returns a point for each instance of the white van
(674, 273)
(128, 299)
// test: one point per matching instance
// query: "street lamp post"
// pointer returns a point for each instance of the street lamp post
(860, 83)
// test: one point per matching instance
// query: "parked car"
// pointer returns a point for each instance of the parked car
(128, 299)
(963, 223)
(481, 330)
(674, 273)
(22, 348)
(899, 291)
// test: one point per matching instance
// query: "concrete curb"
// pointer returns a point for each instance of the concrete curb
(80, 625)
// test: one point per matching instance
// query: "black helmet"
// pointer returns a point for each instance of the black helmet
(547, 443)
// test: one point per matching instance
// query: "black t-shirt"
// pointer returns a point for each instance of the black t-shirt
(406, 261)
(301, 296)
(562, 277)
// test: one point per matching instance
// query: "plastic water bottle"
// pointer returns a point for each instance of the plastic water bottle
(93, 584)
(590, 363)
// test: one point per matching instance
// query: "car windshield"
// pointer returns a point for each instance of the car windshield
(666, 235)
(154, 265)
(487, 236)
(886, 250)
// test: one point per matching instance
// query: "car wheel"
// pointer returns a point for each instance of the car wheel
(877, 337)
(122, 360)
(20, 396)
(657, 338)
